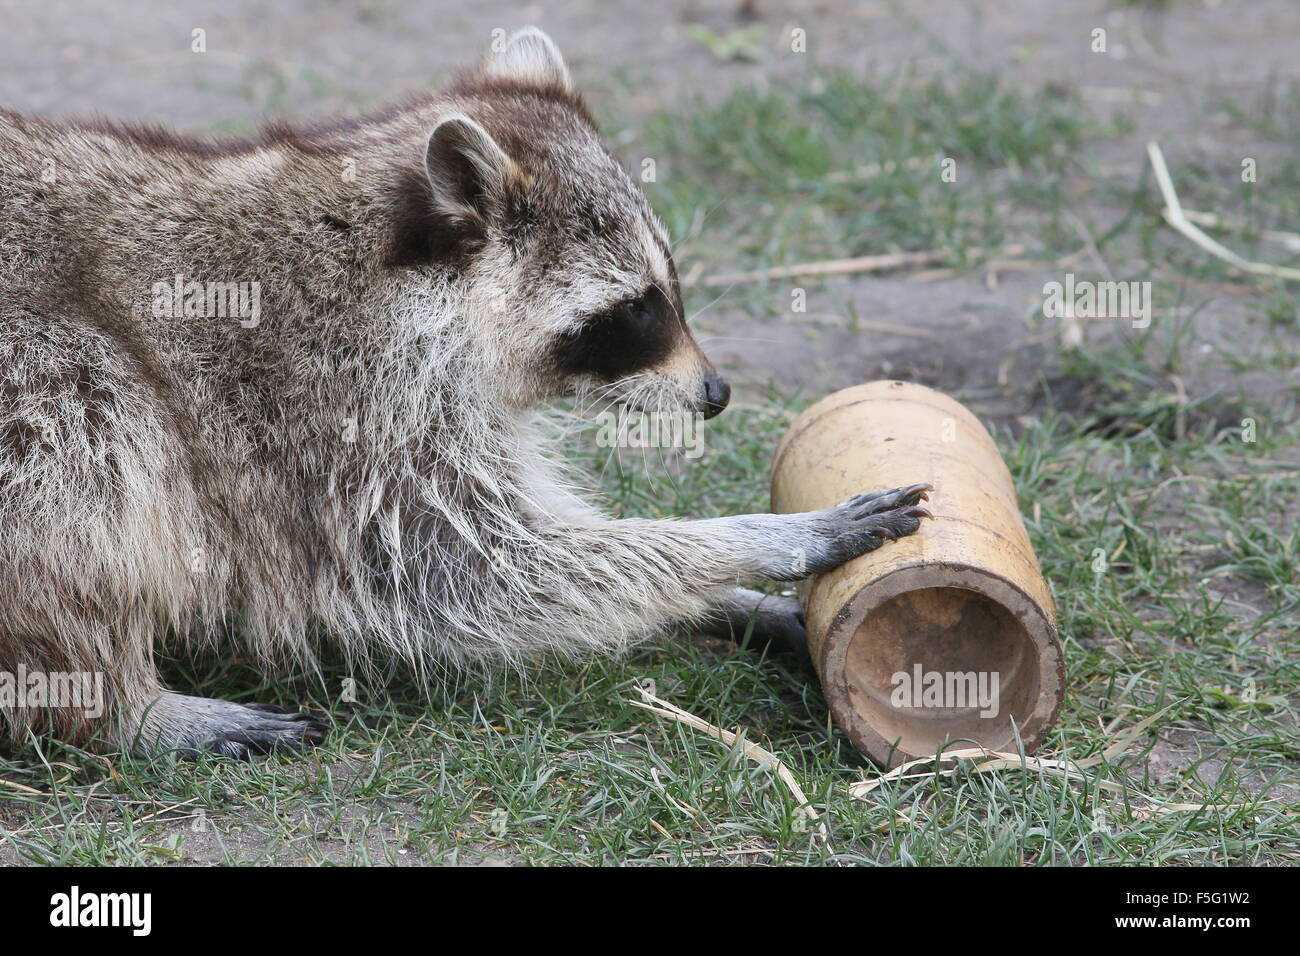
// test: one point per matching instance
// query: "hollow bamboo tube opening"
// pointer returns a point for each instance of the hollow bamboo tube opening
(946, 635)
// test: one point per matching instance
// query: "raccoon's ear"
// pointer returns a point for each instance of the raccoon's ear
(467, 169)
(529, 56)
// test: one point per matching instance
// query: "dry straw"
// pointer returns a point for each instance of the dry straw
(764, 758)
(980, 760)
(946, 764)
(1180, 220)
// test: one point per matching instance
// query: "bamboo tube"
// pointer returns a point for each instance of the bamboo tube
(948, 634)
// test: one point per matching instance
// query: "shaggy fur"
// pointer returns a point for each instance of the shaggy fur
(359, 461)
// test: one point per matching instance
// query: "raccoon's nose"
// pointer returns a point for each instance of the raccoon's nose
(716, 394)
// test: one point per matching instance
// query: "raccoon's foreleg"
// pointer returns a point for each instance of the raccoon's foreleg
(854, 527)
(795, 546)
(633, 577)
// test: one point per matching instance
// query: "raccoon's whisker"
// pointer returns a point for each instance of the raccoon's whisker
(703, 218)
(589, 403)
(593, 395)
(675, 408)
(671, 301)
(618, 394)
(698, 312)
(739, 338)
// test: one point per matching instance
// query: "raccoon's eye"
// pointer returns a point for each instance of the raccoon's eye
(635, 315)
(634, 334)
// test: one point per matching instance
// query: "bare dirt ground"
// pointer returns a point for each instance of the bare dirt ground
(306, 59)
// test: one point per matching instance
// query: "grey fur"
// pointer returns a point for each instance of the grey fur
(361, 461)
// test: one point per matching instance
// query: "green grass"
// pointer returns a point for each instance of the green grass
(560, 768)
(839, 168)
(1197, 617)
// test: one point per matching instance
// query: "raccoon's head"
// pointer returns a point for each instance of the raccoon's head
(568, 269)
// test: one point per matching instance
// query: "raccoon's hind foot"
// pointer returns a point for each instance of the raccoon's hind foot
(194, 725)
(772, 622)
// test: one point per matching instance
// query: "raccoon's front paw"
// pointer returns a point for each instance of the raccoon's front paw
(879, 502)
(194, 725)
(861, 524)
(865, 522)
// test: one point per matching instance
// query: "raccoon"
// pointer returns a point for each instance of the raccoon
(339, 443)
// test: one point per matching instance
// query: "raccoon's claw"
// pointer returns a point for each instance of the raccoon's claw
(295, 734)
(891, 530)
(877, 502)
(915, 493)
(867, 521)
(270, 730)
(191, 726)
